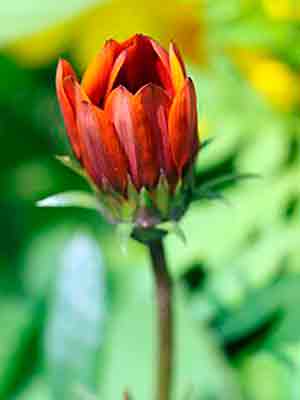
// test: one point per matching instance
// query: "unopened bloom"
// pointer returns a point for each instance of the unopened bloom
(132, 125)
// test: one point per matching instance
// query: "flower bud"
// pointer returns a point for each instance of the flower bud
(132, 125)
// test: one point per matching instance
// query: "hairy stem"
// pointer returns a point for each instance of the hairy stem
(163, 283)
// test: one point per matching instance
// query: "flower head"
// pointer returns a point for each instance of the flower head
(132, 124)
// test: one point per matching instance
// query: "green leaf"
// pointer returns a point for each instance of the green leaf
(71, 199)
(75, 328)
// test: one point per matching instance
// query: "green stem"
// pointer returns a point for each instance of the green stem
(163, 283)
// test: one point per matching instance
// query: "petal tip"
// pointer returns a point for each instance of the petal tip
(178, 72)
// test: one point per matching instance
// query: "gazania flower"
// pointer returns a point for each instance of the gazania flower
(132, 125)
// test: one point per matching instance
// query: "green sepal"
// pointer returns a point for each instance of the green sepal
(132, 193)
(162, 196)
(145, 200)
(210, 196)
(79, 199)
(129, 204)
(179, 201)
(72, 164)
(227, 179)
(110, 205)
(205, 143)
(174, 227)
(124, 232)
(127, 211)
(209, 190)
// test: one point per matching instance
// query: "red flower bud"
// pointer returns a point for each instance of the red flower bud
(132, 122)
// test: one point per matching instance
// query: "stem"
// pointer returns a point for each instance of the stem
(163, 283)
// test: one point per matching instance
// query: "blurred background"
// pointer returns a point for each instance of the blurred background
(76, 313)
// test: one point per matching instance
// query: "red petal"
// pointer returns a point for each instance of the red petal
(163, 67)
(119, 110)
(90, 143)
(162, 53)
(115, 71)
(183, 126)
(151, 108)
(142, 65)
(165, 77)
(178, 72)
(116, 165)
(95, 79)
(145, 131)
(141, 124)
(103, 156)
(65, 81)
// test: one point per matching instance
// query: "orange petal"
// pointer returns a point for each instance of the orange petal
(65, 81)
(151, 108)
(115, 70)
(95, 79)
(119, 110)
(183, 126)
(178, 72)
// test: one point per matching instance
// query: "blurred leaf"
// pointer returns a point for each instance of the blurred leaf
(264, 378)
(276, 305)
(209, 189)
(51, 240)
(287, 329)
(74, 333)
(255, 157)
(36, 390)
(28, 16)
(256, 310)
(131, 348)
(255, 32)
(17, 321)
(71, 199)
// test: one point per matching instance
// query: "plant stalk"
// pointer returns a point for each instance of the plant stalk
(163, 286)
